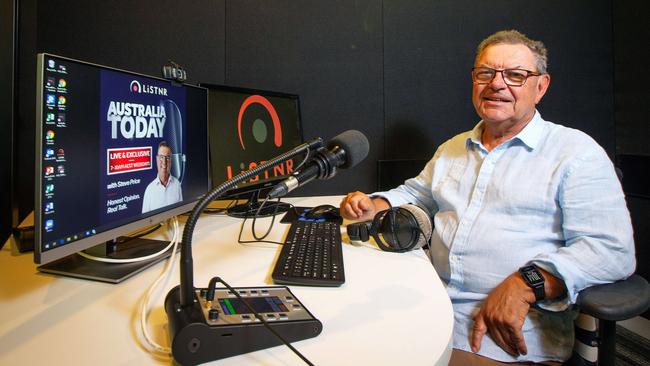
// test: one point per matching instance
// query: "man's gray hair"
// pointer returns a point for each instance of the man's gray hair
(515, 37)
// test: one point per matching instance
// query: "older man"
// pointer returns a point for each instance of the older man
(165, 189)
(527, 213)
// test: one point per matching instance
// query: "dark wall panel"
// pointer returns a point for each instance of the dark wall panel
(7, 47)
(138, 36)
(328, 52)
(398, 71)
(632, 98)
(430, 49)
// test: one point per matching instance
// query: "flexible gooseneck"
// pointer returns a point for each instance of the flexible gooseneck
(186, 267)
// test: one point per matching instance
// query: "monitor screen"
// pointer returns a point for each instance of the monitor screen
(248, 127)
(116, 151)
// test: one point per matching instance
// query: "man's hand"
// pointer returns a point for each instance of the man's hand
(503, 312)
(358, 206)
(502, 315)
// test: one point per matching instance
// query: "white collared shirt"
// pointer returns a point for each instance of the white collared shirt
(157, 195)
(548, 196)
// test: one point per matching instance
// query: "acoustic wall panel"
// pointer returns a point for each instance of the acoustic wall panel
(328, 52)
(430, 49)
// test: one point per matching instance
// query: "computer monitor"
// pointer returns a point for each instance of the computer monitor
(116, 151)
(247, 127)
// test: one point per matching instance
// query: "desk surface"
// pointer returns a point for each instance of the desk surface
(393, 309)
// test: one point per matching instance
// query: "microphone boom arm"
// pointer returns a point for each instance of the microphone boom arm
(186, 266)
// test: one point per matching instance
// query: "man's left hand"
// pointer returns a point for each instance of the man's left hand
(502, 316)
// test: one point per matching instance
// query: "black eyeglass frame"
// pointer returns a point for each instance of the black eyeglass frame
(529, 73)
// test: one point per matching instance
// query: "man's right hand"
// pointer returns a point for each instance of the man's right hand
(357, 206)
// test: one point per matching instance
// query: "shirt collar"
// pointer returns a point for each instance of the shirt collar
(530, 135)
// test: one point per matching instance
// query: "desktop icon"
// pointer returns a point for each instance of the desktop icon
(60, 169)
(49, 117)
(49, 135)
(61, 100)
(49, 207)
(49, 224)
(50, 99)
(49, 153)
(51, 64)
(60, 154)
(49, 170)
(62, 83)
(60, 117)
(50, 82)
(49, 188)
(62, 68)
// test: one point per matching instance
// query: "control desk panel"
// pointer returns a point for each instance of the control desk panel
(273, 303)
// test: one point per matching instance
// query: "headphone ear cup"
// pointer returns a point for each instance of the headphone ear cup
(424, 224)
(359, 231)
(364, 230)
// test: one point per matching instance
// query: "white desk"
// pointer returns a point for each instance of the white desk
(392, 309)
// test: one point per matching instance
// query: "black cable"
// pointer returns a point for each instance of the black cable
(210, 297)
(260, 240)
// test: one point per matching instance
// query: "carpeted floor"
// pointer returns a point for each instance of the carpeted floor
(631, 348)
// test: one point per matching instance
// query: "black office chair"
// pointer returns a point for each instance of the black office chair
(600, 308)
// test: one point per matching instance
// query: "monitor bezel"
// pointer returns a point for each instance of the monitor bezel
(157, 216)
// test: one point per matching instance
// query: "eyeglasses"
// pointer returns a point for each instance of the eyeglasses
(512, 77)
(164, 157)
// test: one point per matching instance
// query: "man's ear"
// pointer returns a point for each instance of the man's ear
(543, 83)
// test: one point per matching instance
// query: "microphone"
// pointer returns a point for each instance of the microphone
(344, 151)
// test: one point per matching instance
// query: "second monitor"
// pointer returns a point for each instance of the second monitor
(246, 128)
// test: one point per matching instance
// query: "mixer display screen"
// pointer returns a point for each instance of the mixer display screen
(267, 304)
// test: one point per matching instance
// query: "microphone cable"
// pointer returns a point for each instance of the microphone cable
(259, 239)
(259, 209)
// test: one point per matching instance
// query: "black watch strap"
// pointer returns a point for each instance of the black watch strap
(534, 279)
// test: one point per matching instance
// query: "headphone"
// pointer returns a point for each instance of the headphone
(397, 229)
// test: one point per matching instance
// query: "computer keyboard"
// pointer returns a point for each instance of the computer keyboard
(311, 255)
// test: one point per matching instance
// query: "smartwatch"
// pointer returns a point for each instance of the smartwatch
(534, 280)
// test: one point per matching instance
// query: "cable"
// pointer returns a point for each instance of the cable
(144, 232)
(130, 260)
(210, 297)
(126, 260)
(144, 311)
(259, 240)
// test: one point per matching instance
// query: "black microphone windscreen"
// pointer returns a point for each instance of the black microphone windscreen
(354, 143)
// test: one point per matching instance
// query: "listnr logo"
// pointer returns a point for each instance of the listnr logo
(136, 87)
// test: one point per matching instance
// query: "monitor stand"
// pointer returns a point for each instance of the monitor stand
(249, 209)
(122, 248)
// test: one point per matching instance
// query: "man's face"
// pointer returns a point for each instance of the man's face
(164, 162)
(498, 103)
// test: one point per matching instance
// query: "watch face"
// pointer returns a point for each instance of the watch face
(532, 276)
